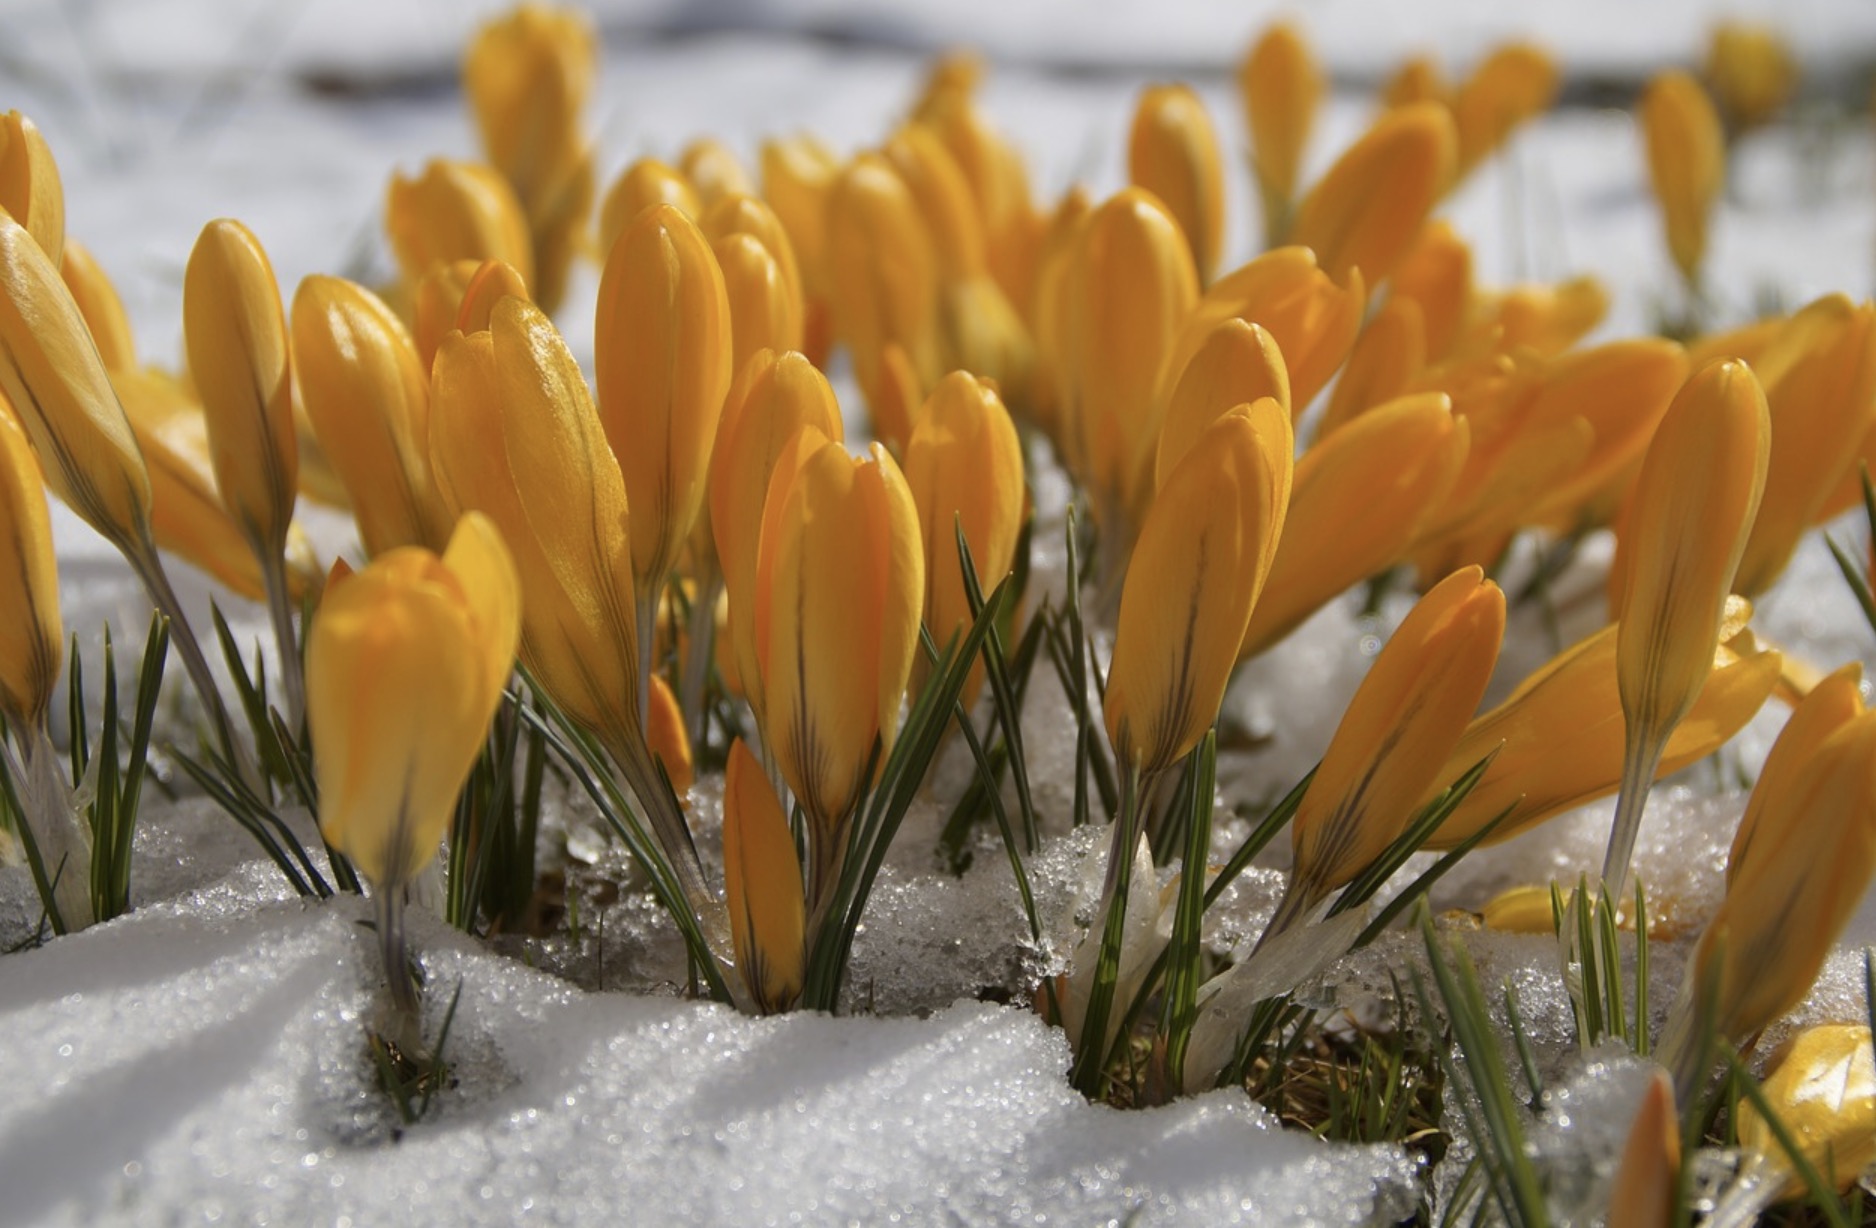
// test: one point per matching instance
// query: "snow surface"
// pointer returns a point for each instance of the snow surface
(202, 1060)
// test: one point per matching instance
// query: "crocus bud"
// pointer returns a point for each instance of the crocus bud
(30, 190)
(1686, 163)
(1418, 79)
(841, 580)
(492, 282)
(1513, 84)
(1365, 212)
(456, 211)
(1546, 319)
(1238, 364)
(714, 171)
(663, 337)
(762, 885)
(367, 396)
(1361, 495)
(1646, 1181)
(1389, 352)
(749, 215)
(1435, 274)
(236, 334)
(31, 635)
(1312, 319)
(1204, 551)
(1172, 152)
(772, 399)
(764, 315)
(1751, 71)
(1282, 87)
(1621, 389)
(436, 304)
(669, 741)
(51, 373)
(964, 467)
(405, 666)
(1405, 717)
(645, 183)
(1686, 528)
(100, 305)
(882, 271)
(798, 172)
(1560, 737)
(1824, 1092)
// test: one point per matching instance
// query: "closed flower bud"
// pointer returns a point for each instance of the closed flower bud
(762, 885)
(1685, 530)
(367, 396)
(750, 215)
(100, 305)
(1313, 320)
(236, 333)
(773, 398)
(438, 302)
(51, 373)
(1204, 551)
(456, 211)
(1621, 389)
(1282, 87)
(1833, 703)
(30, 189)
(1686, 163)
(1238, 364)
(1403, 721)
(1390, 351)
(31, 635)
(645, 183)
(1436, 275)
(1751, 71)
(663, 338)
(841, 581)
(1418, 79)
(1647, 1180)
(798, 173)
(764, 315)
(944, 201)
(964, 467)
(1519, 910)
(882, 271)
(714, 171)
(1365, 213)
(493, 281)
(1546, 319)
(669, 741)
(1824, 1092)
(1172, 152)
(1515, 83)
(1361, 495)
(1560, 737)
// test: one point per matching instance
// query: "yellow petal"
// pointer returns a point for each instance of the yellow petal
(645, 183)
(1204, 552)
(1833, 703)
(944, 201)
(748, 215)
(99, 303)
(456, 211)
(762, 885)
(236, 333)
(798, 173)
(1239, 363)
(1686, 162)
(1513, 84)
(1751, 70)
(714, 171)
(1390, 351)
(1436, 275)
(31, 635)
(1648, 1178)
(663, 366)
(763, 315)
(30, 189)
(1418, 79)
(1282, 87)
(1365, 212)
(1824, 1092)
(668, 739)
(1172, 152)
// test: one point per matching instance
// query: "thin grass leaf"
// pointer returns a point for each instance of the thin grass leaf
(1853, 576)
(1185, 953)
(43, 882)
(1417, 832)
(1089, 1073)
(1003, 693)
(1420, 886)
(260, 822)
(1527, 1057)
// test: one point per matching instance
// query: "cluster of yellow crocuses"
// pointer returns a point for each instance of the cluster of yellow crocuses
(510, 511)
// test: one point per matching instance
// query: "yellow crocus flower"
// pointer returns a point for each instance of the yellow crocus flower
(437, 303)
(999, 183)
(641, 185)
(100, 305)
(1313, 319)
(663, 366)
(31, 192)
(1513, 84)
(750, 215)
(31, 635)
(1621, 389)
(492, 282)
(236, 334)
(1172, 152)
(1366, 211)
(1648, 1178)
(1561, 737)
(1546, 319)
(668, 739)
(1204, 553)
(405, 665)
(1752, 72)
(1436, 275)
(1419, 79)
(1824, 1091)
(455, 211)
(798, 173)
(964, 467)
(1390, 350)
(1686, 163)
(841, 581)
(1361, 495)
(714, 171)
(1239, 363)
(1832, 703)
(1686, 528)
(1403, 721)
(764, 315)
(367, 396)
(762, 885)
(1282, 87)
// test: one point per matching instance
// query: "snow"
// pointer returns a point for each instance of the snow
(202, 1059)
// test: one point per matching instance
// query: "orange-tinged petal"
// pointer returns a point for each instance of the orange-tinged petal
(645, 183)
(748, 215)
(668, 739)
(31, 192)
(1648, 1178)
(99, 303)
(663, 337)
(714, 171)
(1751, 70)
(944, 201)
(236, 333)
(31, 635)
(1547, 319)
(1172, 152)
(1622, 390)
(1204, 552)
(798, 173)
(437, 303)
(882, 271)
(763, 313)
(1824, 1092)
(456, 211)
(1390, 351)
(493, 281)
(1365, 213)
(1686, 162)
(1436, 275)
(1282, 87)
(1513, 84)
(1418, 79)
(367, 396)
(762, 885)
(1239, 363)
